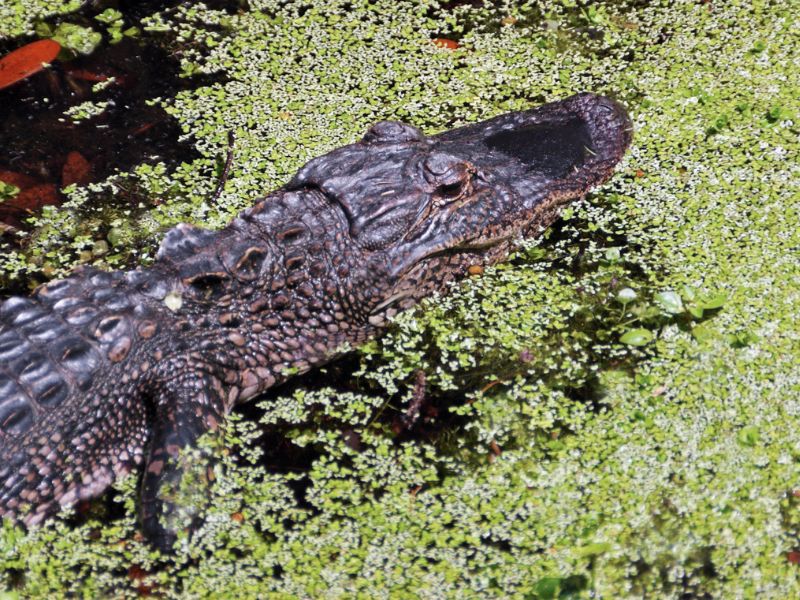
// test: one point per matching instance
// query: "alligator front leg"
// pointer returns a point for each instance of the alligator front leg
(185, 408)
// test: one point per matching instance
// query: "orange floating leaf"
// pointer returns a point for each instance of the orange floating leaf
(445, 43)
(24, 62)
(75, 170)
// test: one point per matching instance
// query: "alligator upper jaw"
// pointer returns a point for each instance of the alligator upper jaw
(569, 146)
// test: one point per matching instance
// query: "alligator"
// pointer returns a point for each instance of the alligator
(103, 372)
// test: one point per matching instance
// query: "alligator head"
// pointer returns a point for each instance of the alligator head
(425, 209)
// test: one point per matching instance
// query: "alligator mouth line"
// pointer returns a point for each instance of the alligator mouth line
(443, 250)
(464, 248)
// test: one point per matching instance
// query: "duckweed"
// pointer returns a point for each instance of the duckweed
(615, 412)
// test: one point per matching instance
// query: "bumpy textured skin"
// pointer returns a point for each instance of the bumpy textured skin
(103, 372)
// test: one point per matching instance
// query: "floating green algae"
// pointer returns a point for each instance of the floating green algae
(569, 462)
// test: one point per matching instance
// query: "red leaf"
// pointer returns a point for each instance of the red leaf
(85, 75)
(24, 62)
(33, 198)
(75, 170)
(136, 574)
(142, 129)
(445, 43)
(19, 180)
(793, 557)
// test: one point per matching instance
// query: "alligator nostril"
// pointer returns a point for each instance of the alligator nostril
(611, 107)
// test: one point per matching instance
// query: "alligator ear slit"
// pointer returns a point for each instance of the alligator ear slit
(450, 190)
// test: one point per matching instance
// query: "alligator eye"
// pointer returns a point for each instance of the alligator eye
(459, 185)
(451, 176)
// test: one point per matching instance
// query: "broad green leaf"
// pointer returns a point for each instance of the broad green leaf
(695, 311)
(637, 337)
(670, 301)
(593, 549)
(714, 301)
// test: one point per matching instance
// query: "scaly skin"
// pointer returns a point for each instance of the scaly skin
(103, 372)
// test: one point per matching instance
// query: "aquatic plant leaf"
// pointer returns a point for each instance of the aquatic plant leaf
(670, 302)
(637, 337)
